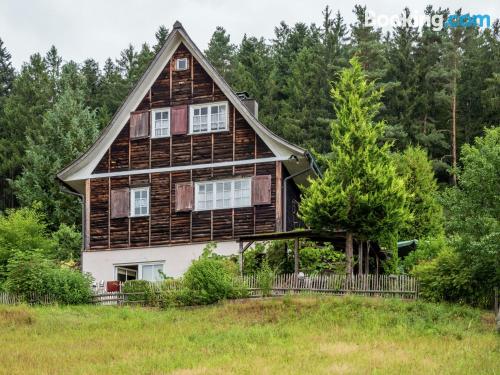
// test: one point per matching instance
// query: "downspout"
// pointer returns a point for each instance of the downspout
(312, 166)
(65, 188)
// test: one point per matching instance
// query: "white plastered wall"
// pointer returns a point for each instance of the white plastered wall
(176, 259)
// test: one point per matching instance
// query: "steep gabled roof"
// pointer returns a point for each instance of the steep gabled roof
(82, 167)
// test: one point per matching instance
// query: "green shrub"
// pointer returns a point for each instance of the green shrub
(31, 273)
(68, 242)
(444, 278)
(427, 249)
(22, 230)
(318, 259)
(265, 279)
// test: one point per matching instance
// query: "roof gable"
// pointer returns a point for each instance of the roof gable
(83, 167)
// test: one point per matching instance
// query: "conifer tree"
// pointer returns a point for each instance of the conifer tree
(220, 52)
(426, 212)
(64, 134)
(161, 36)
(360, 191)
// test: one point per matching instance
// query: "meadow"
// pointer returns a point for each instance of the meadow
(311, 335)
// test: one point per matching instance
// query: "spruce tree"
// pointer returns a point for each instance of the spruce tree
(161, 36)
(65, 133)
(220, 52)
(360, 191)
(427, 214)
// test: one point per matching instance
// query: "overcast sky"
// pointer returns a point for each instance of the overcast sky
(102, 28)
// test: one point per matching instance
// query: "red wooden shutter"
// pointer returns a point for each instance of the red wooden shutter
(179, 120)
(184, 197)
(261, 190)
(120, 202)
(139, 124)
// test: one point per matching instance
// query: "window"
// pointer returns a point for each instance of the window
(160, 122)
(207, 118)
(139, 201)
(205, 196)
(147, 271)
(241, 193)
(181, 64)
(151, 272)
(126, 273)
(222, 194)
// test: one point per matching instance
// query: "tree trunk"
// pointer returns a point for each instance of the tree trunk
(348, 252)
(454, 127)
(296, 256)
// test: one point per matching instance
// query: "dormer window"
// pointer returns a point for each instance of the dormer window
(206, 118)
(160, 122)
(181, 64)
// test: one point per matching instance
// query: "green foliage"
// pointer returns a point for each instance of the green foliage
(360, 190)
(427, 249)
(66, 132)
(68, 243)
(426, 218)
(210, 279)
(470, 269)
(31, 273)
(265, 278)
(319, 259)
(276, 253)
(220, 51)
(22, 230)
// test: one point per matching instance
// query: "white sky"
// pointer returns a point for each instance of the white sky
(102, 28)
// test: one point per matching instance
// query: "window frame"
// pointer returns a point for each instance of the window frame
(132, 201)
(153, 122)
(177, 64)
(152, 264)
(209, 106)
(139, 267)
(214, 183)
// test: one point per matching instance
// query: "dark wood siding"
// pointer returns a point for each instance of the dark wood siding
(164, 225)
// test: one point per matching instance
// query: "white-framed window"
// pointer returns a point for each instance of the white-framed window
(139, 201)
(206, 118)
(160, 122)
(139, 271)
(182, 64)
(242, 195)
(151, 272)
(204, 196)
(222, 194)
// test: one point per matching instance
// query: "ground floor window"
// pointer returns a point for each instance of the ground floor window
(126, 273)
(146, 271)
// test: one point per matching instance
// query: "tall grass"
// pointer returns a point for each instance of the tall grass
(311, 335)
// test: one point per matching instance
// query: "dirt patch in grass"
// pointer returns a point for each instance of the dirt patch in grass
(20, 315)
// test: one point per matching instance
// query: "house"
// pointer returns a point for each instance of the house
(184, 161)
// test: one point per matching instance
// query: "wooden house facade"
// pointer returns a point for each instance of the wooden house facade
(184, 162)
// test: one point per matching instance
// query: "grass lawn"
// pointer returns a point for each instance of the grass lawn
(308, 335)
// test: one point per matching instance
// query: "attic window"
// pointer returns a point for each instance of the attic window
(181, 64)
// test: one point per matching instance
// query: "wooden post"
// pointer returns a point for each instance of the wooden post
(367, 258)
(360, 257)
(241, 258)
(296, 256)
(376, 261)
(348, 252)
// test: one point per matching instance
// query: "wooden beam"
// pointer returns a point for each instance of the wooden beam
(279, 203)
(86, 242)
(296, 256)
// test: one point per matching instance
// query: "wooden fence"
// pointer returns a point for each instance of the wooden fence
(399, 286)
(31, 299)
(403, 286)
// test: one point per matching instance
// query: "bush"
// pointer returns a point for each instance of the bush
(31, 273)
(444, 278)
(210, 279)
(314, 259)
(427, 249)
(22, 230)
(68, 242)
(265, 279)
